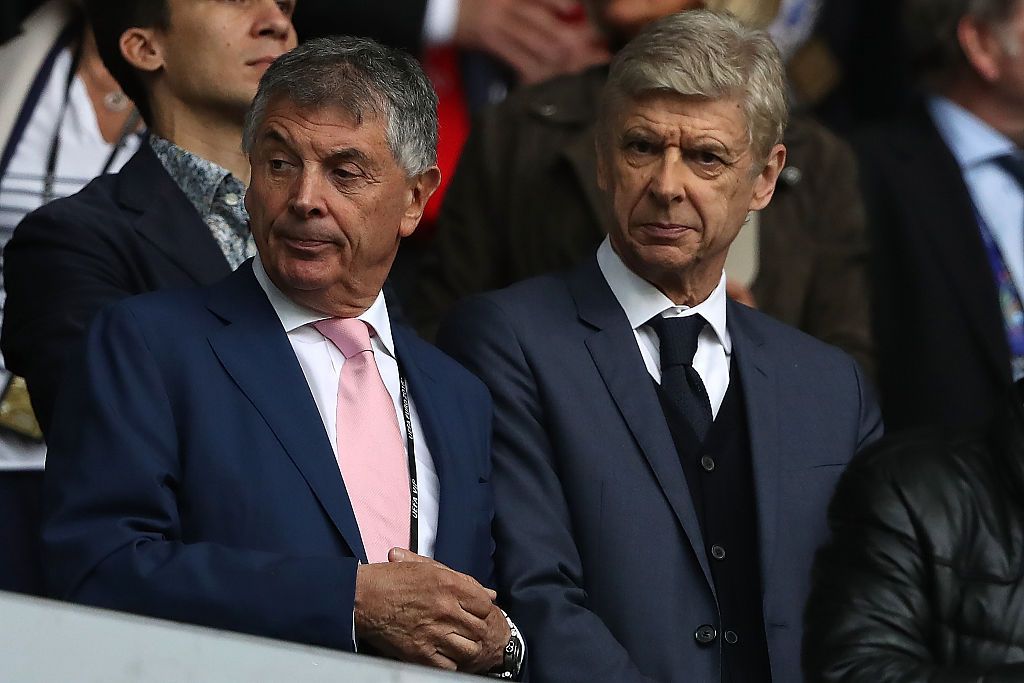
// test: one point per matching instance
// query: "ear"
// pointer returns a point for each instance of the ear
(141, 49)
(981, 46)
(420, 191)
(764, 183)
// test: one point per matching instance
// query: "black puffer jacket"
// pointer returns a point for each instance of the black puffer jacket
(923, 579)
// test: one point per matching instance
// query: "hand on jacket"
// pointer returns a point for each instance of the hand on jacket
(418, 610)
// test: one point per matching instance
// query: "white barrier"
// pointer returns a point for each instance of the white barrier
(43, 641)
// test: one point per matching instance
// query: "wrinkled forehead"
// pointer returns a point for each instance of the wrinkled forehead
(665, 110)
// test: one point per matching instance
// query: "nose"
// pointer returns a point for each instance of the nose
(668, 182)
(273, 20)
(307, 198)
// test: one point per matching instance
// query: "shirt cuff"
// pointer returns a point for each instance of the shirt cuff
(440, 21)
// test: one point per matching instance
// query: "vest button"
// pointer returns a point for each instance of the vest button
(705, 634)
(708, 463)
(718, 552)
(731, 637)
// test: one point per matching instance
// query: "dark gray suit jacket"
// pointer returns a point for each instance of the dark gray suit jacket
(599, 555)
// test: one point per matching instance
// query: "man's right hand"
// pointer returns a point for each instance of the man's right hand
(422, 612)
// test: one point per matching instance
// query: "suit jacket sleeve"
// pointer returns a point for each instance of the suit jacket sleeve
(398, 24)
(540, 573)
(114, 536)
(58, 274)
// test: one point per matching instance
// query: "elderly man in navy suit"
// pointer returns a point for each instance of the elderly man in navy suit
(663, 457)
(273, 454)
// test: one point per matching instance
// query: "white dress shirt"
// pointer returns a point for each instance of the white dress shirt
(321, 363)
(642, 301)
(996, 195)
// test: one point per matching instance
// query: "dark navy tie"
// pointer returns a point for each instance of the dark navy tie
(679, 380)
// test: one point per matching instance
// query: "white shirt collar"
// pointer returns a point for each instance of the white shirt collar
(641, 300)
(294, 316)
(972, 141)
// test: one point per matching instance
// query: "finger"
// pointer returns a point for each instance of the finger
(478, 605)
(459, 649)
(397, 554)
(442, 662)
(465, 623)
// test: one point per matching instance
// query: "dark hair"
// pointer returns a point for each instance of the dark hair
(931, 31)
(109, 20)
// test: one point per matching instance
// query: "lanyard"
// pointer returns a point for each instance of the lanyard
(50, 176)
(414, 493)
(1009, 298)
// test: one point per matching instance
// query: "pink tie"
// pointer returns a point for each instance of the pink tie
(370, 451)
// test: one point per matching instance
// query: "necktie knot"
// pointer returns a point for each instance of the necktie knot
(350, 335)
(1012, 164)
(678, 338)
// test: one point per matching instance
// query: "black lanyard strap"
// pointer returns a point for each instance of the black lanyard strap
(414, 492)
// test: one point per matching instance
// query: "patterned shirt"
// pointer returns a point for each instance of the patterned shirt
(216, 194)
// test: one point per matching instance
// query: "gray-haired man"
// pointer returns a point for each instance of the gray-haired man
(664, 456)
(272, 454)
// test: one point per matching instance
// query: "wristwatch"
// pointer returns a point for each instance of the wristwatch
(515, 651)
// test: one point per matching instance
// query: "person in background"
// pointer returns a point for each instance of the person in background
(943, 185)
(663, 456)
(173, 217)
(63, 121)
(524, 201)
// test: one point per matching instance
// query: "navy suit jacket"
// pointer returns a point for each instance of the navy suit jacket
(600, 557)
(943, 354)
(124, 234)
(190, 477)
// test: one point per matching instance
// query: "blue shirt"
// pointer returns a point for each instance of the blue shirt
(996, 195)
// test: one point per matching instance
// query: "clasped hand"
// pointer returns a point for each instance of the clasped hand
(417, 610)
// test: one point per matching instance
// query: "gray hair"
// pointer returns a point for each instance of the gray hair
(364, 78)
(931, 31)
(702, 53)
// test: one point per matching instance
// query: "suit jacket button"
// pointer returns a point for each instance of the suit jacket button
(705, 634)
(731, 637)
(708, 463)
(718, 552)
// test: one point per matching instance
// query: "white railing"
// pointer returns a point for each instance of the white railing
(44, 641)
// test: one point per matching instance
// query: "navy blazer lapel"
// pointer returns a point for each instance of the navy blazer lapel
(948, 221)
(426, 394)
(167, 219)
(614, 350)
(760, 390)
(255, 351)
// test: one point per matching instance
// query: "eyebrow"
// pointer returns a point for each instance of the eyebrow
(345, 154)
(276, 136)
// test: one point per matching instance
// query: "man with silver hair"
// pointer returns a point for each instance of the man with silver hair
(943, 186)
(274, 454)
(524, 201)
(663, 456)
